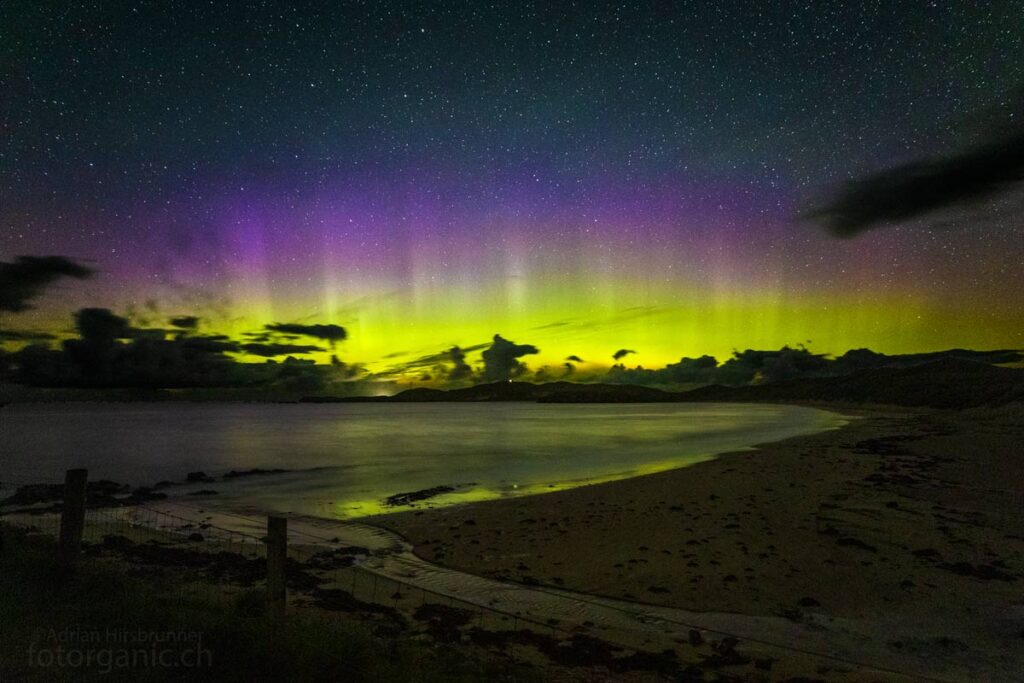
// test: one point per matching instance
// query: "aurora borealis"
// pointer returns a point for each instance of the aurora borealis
(582, 178)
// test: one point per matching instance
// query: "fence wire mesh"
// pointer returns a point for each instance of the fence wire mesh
(218, 561)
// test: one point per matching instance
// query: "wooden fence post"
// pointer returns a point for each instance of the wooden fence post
(72, 516)
(277, 555)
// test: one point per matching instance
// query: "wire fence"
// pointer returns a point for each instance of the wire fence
(322, 573)
(213, 562)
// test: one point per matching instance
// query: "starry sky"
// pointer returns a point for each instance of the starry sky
(582, 177)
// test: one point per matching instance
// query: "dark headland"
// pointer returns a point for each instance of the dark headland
(948, 383)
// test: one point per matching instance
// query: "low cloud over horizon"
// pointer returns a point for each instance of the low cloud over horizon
(111, 351)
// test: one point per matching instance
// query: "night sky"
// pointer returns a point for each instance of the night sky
(579, 177)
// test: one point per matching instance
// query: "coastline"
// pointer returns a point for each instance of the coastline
(463, 526)
(890, 544)
(467, 452)
(910, 516)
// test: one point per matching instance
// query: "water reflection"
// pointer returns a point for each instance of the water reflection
(346, 458)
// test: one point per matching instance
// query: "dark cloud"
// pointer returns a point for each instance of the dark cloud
(752, 366)
(98, 347)
(501, 360)
(304, 376)
(184, 322)
(102, 326)
(788, 363)
(150, 333)
(346, 371)
(921, 188)
(437, 364)
(270, 350)
(745, 367)
(460, 368)
(622, 353)
(574, 359)
(210, 343)
(542, 375)
(550, 326)
(27, 277)
(329, 333)
(24, 335)
(110, 353)
(702, 370)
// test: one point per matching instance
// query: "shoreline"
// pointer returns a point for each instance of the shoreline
(903, 522)
(427, 516)
(861, 540)
(681, 441)
(846, 415)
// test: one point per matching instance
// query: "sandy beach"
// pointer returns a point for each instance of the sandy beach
(887, 549)
(904, 525)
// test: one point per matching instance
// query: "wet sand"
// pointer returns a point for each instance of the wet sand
(908, 525)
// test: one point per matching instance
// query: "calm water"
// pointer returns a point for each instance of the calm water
(346, 458)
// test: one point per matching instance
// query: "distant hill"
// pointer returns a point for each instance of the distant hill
(550, 392)
(566, 392)
(949, 383)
